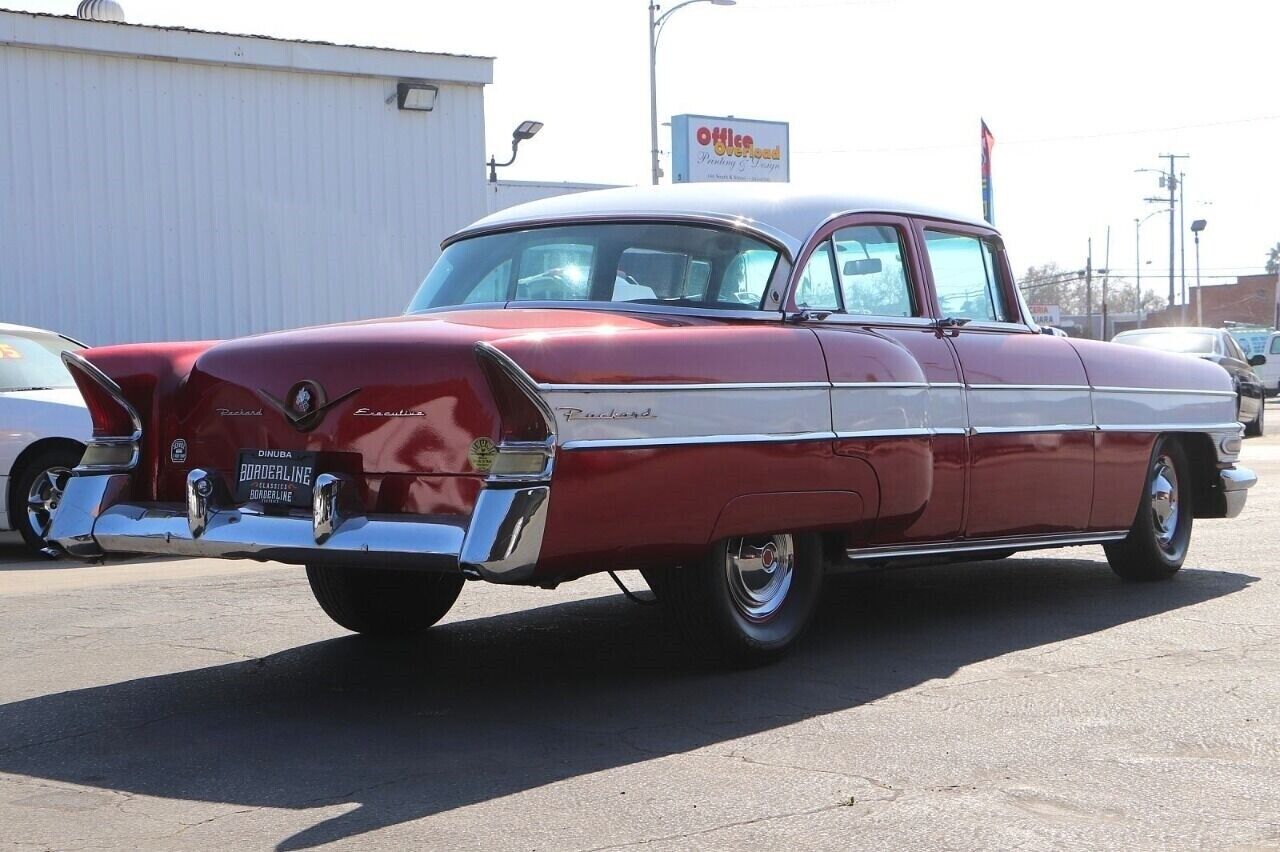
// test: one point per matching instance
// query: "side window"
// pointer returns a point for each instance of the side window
(817, 288)
(747, 277)
(493, 287)
(554, 272)
(967, 278)
(871, 263)
(1275, 346)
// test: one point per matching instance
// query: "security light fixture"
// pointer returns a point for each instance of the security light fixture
(416, 96)
(525, 130)
(1198, 225)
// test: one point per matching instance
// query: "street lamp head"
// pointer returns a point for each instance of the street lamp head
(724, 2)
(1198, 225)
(526, 130)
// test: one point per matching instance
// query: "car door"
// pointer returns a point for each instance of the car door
(1030, 416)
(896, 398)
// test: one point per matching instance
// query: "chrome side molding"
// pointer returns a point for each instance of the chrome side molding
(1017, 542)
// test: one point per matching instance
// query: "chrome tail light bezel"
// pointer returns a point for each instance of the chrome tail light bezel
(104, 444)
(544, 449)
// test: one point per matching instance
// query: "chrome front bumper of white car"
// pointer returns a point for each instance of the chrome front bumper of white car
(499, 542)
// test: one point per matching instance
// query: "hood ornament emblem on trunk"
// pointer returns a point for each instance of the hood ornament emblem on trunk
(304, 406)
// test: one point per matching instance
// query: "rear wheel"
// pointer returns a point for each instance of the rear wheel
(749, 599)
(1157, 542)
(382, 602)
(37, 490)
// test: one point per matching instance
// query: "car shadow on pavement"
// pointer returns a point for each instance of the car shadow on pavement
(485, 708)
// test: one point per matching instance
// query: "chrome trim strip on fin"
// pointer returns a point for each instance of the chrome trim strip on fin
(550, 387)
(1191, 391)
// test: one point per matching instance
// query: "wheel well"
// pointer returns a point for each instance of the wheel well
(29, 452)
(1202, 458)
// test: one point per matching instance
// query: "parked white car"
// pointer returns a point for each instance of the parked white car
(43, 428)
(1269, 372)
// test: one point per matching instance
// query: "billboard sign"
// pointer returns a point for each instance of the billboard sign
(709, 148)
(1046, 314)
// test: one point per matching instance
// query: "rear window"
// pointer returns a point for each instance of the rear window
(33, 362)
(640, 263)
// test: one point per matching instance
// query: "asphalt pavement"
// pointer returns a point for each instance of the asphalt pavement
(1034, 702)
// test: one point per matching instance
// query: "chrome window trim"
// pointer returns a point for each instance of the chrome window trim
(876, 320)
(995, 325)
(962, 546)
(775, 238)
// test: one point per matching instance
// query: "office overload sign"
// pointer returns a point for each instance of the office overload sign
(707, 148)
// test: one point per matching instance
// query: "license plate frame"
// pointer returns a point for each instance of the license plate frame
(275, 477)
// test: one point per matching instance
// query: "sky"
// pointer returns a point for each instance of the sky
(884, 98)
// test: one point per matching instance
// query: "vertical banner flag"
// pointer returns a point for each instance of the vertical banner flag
(988, 206)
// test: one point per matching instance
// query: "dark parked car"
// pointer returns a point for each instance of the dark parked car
(1216, 345)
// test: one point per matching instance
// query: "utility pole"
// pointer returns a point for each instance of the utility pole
(1088, 293)
(1171, 182)
(1106, 279)
(1182, 241)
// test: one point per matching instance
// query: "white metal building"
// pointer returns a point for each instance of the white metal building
(508, 193)
(167, 184)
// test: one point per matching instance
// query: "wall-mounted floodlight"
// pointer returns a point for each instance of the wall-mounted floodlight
(526, 130)
(416, 96)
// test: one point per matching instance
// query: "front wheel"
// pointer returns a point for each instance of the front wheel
(37, 490)
(383, 602)
(749, 599)
(1156, 545)
(1255, 428)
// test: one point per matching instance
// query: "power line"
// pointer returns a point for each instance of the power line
(1044, 139)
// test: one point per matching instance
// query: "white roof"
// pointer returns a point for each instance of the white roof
(64, 32)
(785, 211)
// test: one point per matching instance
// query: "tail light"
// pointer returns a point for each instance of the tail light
(117, 428)
(527, 434)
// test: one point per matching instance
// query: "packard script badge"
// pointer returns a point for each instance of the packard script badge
(482, 453)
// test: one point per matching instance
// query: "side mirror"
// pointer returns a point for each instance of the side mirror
(863, 266)
(1257, 360)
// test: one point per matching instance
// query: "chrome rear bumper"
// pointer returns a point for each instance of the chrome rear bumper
(499, 542)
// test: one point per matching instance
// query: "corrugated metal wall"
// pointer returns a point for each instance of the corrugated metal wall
(147, 200)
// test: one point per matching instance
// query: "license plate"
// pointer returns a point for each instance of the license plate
(275, 477)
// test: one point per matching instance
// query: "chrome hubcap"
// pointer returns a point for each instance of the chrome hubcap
(43, 498)
(1164, 500)
(759, 570)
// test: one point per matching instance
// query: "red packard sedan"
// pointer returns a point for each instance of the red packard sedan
(733, 389)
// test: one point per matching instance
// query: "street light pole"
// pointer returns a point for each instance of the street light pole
(655, 30)
(653, 91)
(1196, 227)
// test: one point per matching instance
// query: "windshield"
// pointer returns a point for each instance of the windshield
(646, 264)
(1189, 342)
(33, 361)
